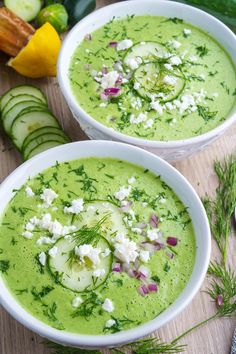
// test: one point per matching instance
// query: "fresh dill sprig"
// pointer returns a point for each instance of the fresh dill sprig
(4, 266)
(221, 208)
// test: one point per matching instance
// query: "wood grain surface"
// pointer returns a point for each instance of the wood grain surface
(213, 338)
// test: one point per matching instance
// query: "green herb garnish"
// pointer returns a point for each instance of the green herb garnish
(202, 50)
(4, 266)
(205, 113)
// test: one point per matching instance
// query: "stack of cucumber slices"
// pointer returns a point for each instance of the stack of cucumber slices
(28, 122)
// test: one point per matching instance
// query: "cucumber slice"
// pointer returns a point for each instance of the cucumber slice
(42, 139)
(43, 147)
(10, 115)
(78, 276)
(21, 90)
(146, 51)
(28, 121)
(17, 99)
(149, 80)
(41, 131)
(25, 9)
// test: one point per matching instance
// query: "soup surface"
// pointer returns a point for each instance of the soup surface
(96, 246)
(153, 77)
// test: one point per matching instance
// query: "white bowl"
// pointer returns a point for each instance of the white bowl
(139, 157)
(170, 150)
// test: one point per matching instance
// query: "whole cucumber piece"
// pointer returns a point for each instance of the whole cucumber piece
(77, 9)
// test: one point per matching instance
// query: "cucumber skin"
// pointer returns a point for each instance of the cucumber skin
(56, 15)
(40, 131)
(77, 9)
(29, 17)
(28, 156)
(32, 154)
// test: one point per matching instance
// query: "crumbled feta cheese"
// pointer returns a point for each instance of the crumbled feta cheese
(139, 119)
(144, 256)
(108, 305)
(187, 101)
(169, 80)
(44, 240)
(162, 200)
(148, 123)
(27, 234)
(169, 106)
(29, 226)
(87, 50)
(34, 220)
(131, 180)
(76, 302)
(187, 31)
(106, 252)
(42, 258)
(131, 213)
(109, 79)
(126, 250)
(48, 197)
(119, 237)
(110, 323)
(29, 192)
(202, 76)
(137, 85)
(157, 107)
(53, 251)
(122, 193)
(90, 252)
(125, 44)
(99, 273)
(77, 205)
(144, 270)
(175, 44)
(103, 104)
(215, 94)
(175, 60)
(192, 58)
(153, 234)
(136, 230)
(168, 66)
(134, 63)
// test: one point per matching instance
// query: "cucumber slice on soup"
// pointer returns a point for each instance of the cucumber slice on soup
(145, 78)
(28, 121)
(10, 115)
(21, 90)
(77, 275)
(145, 51)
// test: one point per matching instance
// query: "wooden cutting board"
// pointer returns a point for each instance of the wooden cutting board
(213, 338)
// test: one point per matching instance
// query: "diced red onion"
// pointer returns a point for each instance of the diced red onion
(113, 44)
(172, 241)
(219, 300)
(158, 246)
(104, 70)
(88, 37)
(139, 275)
(170, 254)
(143, 290)
(119, 80)
(103, 96)
(154, 221)
(152, 288)
(116, 267)
(112, 91)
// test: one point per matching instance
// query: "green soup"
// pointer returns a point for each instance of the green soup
(96, 246)
(153, 77)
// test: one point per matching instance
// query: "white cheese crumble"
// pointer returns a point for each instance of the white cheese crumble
(139, 119)
(53, 251)
(168, 66)
(136, 230)
(175, 60)
(162, 200)
(125, 250)
(29, 192)
(29, 226)
(192, 58)
(108, 305)
(90, 252)
(157, 107)
(48, 197)
(106, 253)
(99, 273)
(169, 80)
(144, 270)
(44, 240)
(27, 234)
(123, 193)
(148, 123)
(76, 302)
(131, 180)
(153, 234)
(187, 31)
(144, 256)
(125, 44)
(42, 258)
(110, 323)
(133, 63)
(109, 79)
(175, 44)
(77, 205)
(215, 94)
(137, 85)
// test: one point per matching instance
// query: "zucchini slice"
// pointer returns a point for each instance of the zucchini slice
(28, 121)
(42, 139)
(43, 147)
(22, 90)
(25, 9)
(75, 275)
(152, 79)
(41, 131)
(146, 51)
(10, 115)
(17, 99)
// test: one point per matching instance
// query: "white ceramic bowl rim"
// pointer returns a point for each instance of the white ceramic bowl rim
(139, 157)
(184, 11)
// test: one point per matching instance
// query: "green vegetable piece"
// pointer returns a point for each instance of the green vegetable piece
(77, 9)
(56, 15)
(25, 9)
